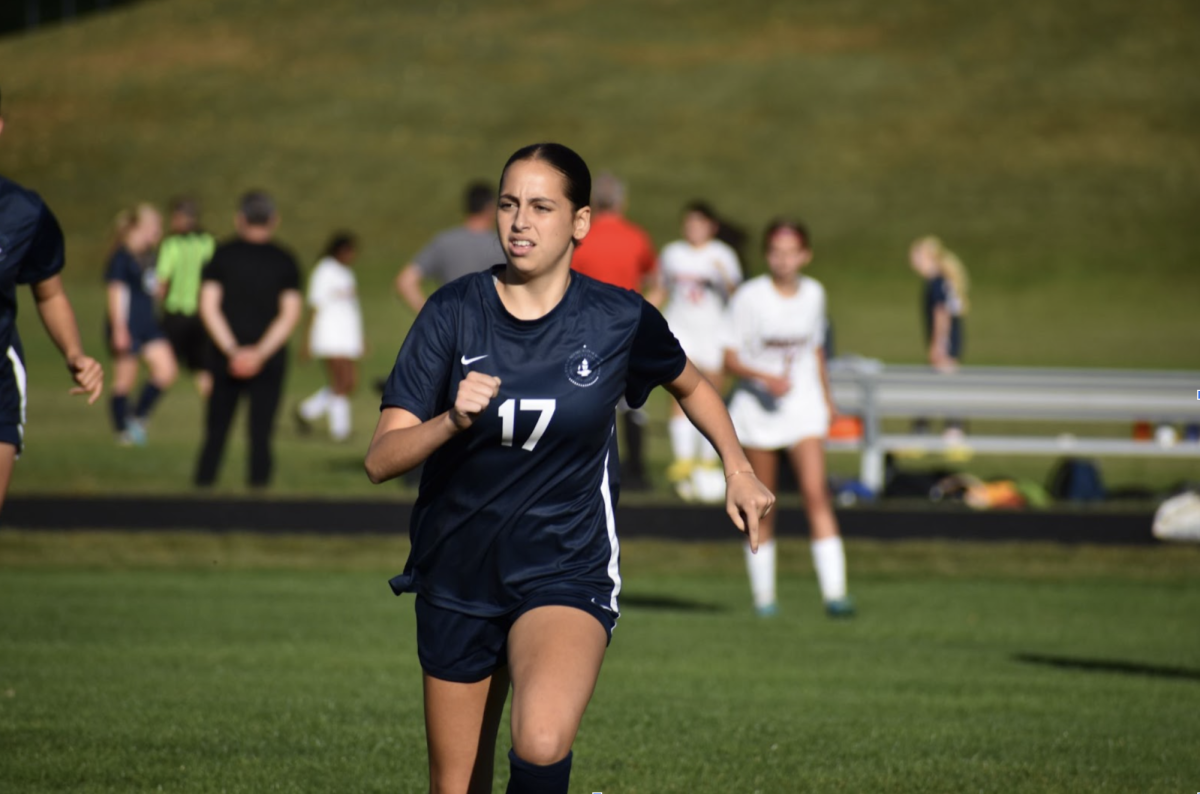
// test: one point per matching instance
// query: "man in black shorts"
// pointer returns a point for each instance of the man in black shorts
(250, 302)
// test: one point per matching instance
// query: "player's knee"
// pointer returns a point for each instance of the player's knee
(542, 745)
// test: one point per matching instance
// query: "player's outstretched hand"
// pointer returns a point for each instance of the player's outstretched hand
(475, 392)
(88, 376)
(747, 500)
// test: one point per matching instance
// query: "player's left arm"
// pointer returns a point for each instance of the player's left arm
(746, 499)
(59, 318)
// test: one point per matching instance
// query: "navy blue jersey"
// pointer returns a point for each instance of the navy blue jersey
(139, 284)
(939, 293)
(522, 502)
(31, 250)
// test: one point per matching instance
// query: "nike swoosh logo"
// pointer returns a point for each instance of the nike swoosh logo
(466, 362)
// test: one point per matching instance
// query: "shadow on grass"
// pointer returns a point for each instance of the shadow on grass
(666, 603)
(1109, 666)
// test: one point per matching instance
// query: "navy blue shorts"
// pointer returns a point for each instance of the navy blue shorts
(454, 646)
(11, 434)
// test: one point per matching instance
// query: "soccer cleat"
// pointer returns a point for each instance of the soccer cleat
(767, 610)
(136, 430)
(840, 608)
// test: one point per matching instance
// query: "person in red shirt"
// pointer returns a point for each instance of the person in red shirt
(619, 252)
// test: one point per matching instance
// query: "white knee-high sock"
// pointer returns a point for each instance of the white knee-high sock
(761, 568)
(683, 438)
(829, 558)
(339, 417)
(316, 405)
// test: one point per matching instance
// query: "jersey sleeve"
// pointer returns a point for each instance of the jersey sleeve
(215, 269)
(318, 288)
(655, 357)
(291, 275)
(45, 256)
(737, 327)
(421, 375)
(118, 270)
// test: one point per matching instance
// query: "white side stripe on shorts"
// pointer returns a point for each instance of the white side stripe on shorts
(19, 376)
(614, 560)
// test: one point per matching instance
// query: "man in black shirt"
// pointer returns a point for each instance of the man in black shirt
(250, 302)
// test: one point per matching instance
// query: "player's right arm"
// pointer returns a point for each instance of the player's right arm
(402, 441)
(120, 340)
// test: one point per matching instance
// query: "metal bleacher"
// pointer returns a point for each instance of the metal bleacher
(876, 392)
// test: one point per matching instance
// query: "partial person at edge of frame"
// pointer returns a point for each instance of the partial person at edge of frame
(776, 331)
(132, 328)
(508, 390)
(34, 253)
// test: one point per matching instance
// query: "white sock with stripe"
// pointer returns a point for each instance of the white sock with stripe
(339, 417)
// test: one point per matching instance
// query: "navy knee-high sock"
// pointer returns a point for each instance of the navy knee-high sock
(147, 399)
(120, 411)
(527, 778)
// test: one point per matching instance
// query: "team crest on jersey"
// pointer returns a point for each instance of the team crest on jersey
(583, 367)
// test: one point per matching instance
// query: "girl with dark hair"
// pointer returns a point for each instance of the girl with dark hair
(699, 272)
(506, 387)
(776, 332)
(335, 335)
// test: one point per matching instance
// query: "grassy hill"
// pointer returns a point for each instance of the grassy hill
(1054, 147)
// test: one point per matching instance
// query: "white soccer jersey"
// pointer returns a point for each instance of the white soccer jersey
(698, 282)
(779, 335)
(337, 325)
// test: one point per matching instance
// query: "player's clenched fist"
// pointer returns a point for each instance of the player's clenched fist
(474, 393)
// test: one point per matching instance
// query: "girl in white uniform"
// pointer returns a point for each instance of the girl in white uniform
(335, 336)
(776, 330)
(699, 273)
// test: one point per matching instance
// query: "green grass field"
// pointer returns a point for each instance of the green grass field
(204, 663)
(1054, 146)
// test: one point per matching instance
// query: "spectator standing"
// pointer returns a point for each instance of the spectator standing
(32, 252)
(250, 303)
(181, 258)
(133, 330)
(944, 304)
(619, 252)
(467, 248)
(776, 332)
(335, 335)
(699, 272)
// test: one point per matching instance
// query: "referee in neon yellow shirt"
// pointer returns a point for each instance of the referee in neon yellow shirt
(181, 257)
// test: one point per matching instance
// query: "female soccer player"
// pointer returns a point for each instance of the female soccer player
(699, 273)
(335, 336)
(507, 387)
(777, 328)
(133, 330)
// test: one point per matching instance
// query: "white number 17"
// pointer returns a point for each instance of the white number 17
(508, 415)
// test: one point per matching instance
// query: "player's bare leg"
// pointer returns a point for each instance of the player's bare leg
(829, 556)
(461, 721)
(554, 657)
(8, 458)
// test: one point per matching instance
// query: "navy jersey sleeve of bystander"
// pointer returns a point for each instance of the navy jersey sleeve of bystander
(655, 357)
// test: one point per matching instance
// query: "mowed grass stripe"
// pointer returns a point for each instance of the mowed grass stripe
(236, 672)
